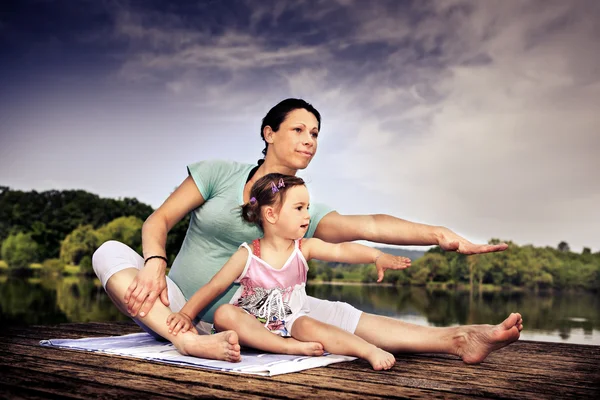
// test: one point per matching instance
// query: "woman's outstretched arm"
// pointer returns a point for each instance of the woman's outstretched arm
(381, 228)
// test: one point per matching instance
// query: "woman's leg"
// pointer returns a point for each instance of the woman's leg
(252, 333)
(338, 341)
(116, 265)
(471, 342)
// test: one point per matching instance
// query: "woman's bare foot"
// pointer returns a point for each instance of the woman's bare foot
(221, 346)
(475, 342)
(379, 359)
(294, 346)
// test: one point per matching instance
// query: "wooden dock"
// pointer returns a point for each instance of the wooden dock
(523, 370)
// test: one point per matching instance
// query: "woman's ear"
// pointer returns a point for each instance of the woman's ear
(270, 214)
(268, 134)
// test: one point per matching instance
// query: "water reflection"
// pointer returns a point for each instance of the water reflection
(33, 301)
(559, 317)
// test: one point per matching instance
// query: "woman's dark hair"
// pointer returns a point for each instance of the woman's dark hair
(278, 114)
(268, 191)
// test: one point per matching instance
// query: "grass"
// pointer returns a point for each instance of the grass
(3, 265)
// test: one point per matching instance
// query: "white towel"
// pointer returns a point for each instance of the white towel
(144, 346)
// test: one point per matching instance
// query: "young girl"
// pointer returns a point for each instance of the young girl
(272, 276)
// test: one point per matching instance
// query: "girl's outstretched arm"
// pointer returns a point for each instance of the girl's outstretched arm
(353, 253)
(382, 228)
(232, 269)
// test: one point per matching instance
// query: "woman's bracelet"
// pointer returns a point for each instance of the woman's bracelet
(161, 257)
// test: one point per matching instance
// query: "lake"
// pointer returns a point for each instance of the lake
(558, 317)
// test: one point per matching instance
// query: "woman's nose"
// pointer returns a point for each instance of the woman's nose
(309, 141)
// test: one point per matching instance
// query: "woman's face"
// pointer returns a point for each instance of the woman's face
(295, 143)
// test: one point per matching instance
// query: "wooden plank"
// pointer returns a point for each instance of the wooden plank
(532, 370)
(488, 385)
(522, 370)
(41, 384)
(159, 375)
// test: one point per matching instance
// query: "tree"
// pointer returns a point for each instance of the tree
(82, 242)
(127, 230)
(19, 250)
(564, 247)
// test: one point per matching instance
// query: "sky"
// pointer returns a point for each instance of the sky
(480, 116)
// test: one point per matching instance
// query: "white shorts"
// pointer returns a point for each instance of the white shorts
(112, 257)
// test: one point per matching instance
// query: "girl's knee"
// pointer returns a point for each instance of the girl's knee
(305, 323)
(225, 316)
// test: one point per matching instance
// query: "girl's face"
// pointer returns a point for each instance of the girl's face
(293, 218)
(295, 143)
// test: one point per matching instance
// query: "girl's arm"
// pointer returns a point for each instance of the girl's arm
(150, 282)
(232, 270)
(349, 253)
(381, 228)
(353, 253)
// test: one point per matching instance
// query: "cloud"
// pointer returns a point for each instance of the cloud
(512, 140)
(476, 115)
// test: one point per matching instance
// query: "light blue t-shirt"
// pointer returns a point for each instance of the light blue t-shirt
(217, 229)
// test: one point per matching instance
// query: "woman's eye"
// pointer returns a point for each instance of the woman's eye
(298, 130)
(315, 135)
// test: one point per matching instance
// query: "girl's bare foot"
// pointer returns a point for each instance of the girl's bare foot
(379, 359)
(294, 346)
(474, 343)
(221, 346)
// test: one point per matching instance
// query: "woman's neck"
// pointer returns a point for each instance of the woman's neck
(270, 166)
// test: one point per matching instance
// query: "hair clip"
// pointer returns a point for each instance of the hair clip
(281, 184)
(253, 200)
(274, 188)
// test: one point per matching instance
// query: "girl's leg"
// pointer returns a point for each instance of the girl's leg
(223, 346)
(473, 343)
(338, 341)
(252, 333)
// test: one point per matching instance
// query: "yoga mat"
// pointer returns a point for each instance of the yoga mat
(144, 346)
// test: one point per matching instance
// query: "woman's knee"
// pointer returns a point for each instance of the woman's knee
(109, 257)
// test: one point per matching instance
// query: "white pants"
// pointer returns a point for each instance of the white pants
(114, 256)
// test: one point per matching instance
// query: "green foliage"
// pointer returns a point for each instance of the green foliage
(564, 247)
(83, 241)
(327, 273)
(53, 266)
(19, 250)
(126, 230)
(50, 216)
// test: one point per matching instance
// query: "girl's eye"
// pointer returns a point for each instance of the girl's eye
(315, 135)
(298, 130)
(299, 208)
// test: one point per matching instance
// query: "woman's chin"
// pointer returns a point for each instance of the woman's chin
(302, 164)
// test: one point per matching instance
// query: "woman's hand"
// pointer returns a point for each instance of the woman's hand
(388, 261)
(149, 283)
(450, 241)
(180, 322)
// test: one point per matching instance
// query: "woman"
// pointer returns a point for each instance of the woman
(212, 192)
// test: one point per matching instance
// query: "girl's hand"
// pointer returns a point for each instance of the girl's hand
(450, 241)
(146, 287)
(388, 261)
(180, 322)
